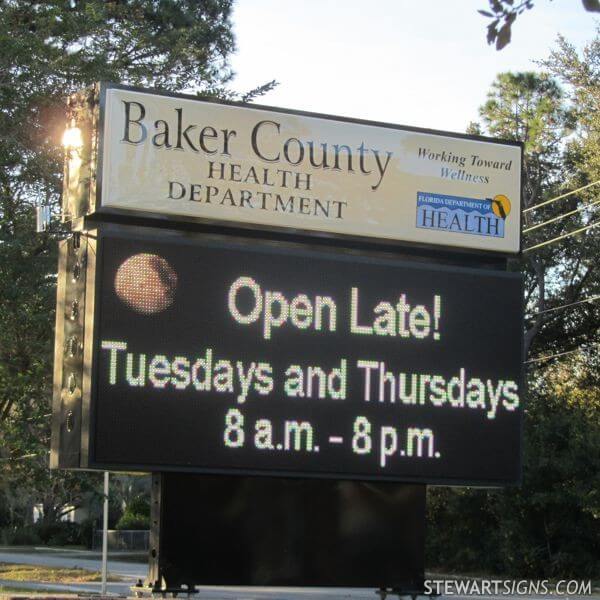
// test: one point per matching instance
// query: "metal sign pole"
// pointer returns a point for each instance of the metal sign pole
(105, 535)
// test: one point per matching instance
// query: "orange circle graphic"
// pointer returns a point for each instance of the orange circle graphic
(501, 206)
(146, 283)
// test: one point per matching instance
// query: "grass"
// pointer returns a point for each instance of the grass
(5, 589)
(40, 574)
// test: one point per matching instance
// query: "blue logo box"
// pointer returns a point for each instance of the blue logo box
(458, 215)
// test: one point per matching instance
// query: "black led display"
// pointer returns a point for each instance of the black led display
(290, 532)
(277, 360)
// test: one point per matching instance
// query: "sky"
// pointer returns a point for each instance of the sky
(424, 63)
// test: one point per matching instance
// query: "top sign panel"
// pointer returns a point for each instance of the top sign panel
(262, 167)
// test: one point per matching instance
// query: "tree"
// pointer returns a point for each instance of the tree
(576, 277)
(550, 526)
(530, 108)
(503, 14)
(581, 75)
(49, 50)
(547, 526)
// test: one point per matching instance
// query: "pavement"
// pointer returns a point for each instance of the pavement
(132, 571)
(114, 589)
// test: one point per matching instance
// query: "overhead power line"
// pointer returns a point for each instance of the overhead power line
(546, 202)
(562, 237)
(563, 306)
(19, 457)
(563, 216)
(39, 417)
(558, 354)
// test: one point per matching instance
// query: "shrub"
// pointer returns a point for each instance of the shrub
(136, 515)
(139, 505)
(133, 521)
(59, 534)
(20, 536)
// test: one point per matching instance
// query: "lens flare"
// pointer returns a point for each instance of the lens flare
(72, 138)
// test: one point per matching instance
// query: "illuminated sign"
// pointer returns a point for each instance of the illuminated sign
(264, 167)
(223, 356)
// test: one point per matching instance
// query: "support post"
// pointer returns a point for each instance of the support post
(105, 536)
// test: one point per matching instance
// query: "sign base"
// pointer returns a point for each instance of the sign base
(244, 531)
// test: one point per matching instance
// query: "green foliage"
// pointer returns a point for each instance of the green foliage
(580, 73)
(58, 533)
(19, 536)
(572, 265)
(460, 531)
(133, 521)
(86, 532)
(550, 525)
(533, 109)
(503, 13)
(49, 50)
(527, 107)
(140, 505)
(136, 514)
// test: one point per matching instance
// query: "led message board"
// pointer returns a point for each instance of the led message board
(222, 356)
(264, 167)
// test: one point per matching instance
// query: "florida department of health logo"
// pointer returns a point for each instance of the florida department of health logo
(463, 215)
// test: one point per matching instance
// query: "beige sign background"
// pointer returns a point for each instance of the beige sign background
(184, 157)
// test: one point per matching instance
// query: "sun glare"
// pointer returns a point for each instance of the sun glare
(72, 138)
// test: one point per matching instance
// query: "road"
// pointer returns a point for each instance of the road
(72, 559)
(132, 571)
(129, 571)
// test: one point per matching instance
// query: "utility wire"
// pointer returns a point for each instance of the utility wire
(559, 217)
(562, 237)
(38, 417)
(545, 202)
(19, 457)
(550, 356)
(563, 306)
